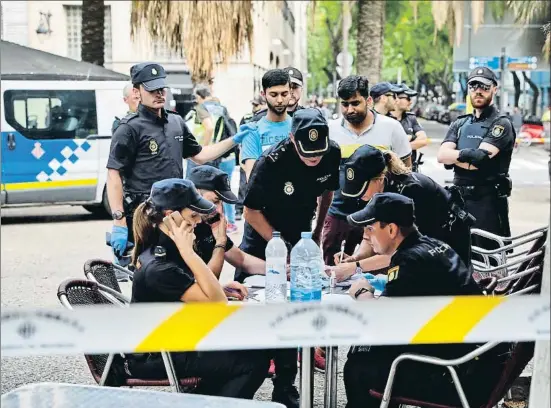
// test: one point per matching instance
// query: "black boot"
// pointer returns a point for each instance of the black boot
(285, 393)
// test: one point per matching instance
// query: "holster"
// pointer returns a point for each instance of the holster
(132, 201)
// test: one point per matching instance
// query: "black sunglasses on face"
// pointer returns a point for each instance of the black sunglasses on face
(473, 86)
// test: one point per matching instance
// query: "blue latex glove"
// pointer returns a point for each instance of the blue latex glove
(244, 131)
(119, 240)
(377, 281)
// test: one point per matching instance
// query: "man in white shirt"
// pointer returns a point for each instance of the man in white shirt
(360, 125)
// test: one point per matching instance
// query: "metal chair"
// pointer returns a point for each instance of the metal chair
(108, 369)
(519, 269)
(519, 357)
(103, 272)
(503, 253)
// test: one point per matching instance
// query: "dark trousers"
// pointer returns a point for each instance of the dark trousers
(492, 215)
(369, 371)
(336, 230)
(242, 190)
(235, 374)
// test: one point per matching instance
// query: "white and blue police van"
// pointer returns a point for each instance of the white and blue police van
(56, 122)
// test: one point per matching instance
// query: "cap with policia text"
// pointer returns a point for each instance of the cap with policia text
(484, 75)
(382, 88)
(363, 165)
(210, 178)
(311, 132)
(390, 208)
(152, 76)
(295, 75)
(176, 194)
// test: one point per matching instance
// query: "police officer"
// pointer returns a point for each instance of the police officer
(148, 146)
(170, 270)
(419, 266)
(212, 243)
(285, 184)
(417, 136)
(132, 99)
(478, 146)
(439, 213)
(384, 97)
(296, 86)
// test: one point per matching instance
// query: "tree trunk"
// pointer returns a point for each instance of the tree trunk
(93, 23)
(535, 90)
(369, 53)
(516, 83)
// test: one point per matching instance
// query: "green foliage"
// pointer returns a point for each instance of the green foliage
(325, 41)
(415, 47)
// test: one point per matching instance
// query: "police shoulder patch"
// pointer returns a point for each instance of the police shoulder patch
(497, 130)
(393, 273)
(129, 117)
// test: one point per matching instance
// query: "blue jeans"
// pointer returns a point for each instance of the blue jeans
(227, 166)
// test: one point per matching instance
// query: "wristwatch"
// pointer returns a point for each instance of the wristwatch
(358, 268)
(118, 215)
(361, 291)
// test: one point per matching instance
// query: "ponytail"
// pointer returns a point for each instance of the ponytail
(394, 164)
(144, 228)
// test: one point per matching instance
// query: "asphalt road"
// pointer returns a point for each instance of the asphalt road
(43, 246)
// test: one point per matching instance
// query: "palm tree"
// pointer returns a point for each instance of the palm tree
(369, 54)
(207, 32)
(93, 22)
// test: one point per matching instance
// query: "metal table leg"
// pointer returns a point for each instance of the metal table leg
(307, 378)
(331, 367)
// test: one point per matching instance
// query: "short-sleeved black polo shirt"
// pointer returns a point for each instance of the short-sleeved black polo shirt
(285, 190)
(147, 148)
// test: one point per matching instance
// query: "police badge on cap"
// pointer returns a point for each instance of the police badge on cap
(311, 132)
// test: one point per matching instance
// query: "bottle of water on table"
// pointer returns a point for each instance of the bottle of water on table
(276, 271)
(306, 268)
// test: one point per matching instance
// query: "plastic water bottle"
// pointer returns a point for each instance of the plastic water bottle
(276, 273)
(306, 269)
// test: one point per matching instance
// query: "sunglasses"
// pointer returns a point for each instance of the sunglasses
(391, 95)
(473, 86)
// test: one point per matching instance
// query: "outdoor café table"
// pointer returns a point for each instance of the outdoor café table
(256, 294)
(55, 395)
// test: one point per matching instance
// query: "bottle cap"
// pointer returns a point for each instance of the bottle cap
(276, 234)
(306, 235)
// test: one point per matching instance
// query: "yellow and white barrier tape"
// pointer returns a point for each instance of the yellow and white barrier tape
(176, 327)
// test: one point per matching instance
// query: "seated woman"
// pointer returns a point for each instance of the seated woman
(169, 270)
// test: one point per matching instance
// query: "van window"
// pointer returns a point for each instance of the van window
(38, 114)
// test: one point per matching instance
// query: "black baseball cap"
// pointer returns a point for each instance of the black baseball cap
(176, 194)
(404, 89)
(390, 208)
(484, 75)
(210, 178)
(152, 76)
(311, 132)
(295, 75)
(364, 164)
(382, 88)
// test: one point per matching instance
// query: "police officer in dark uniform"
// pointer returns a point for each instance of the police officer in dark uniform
(419, 266)
(478, 147)
(170, 270)
(439, 212)
(297, 84)
(148, 146)
(408, 120)
(282, 194)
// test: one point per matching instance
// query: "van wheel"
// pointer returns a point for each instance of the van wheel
(95, 209)
(105, 203)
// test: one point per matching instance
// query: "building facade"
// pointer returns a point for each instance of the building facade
(55, 26)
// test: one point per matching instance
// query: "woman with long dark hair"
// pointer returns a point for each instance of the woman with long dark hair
(169, 270)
